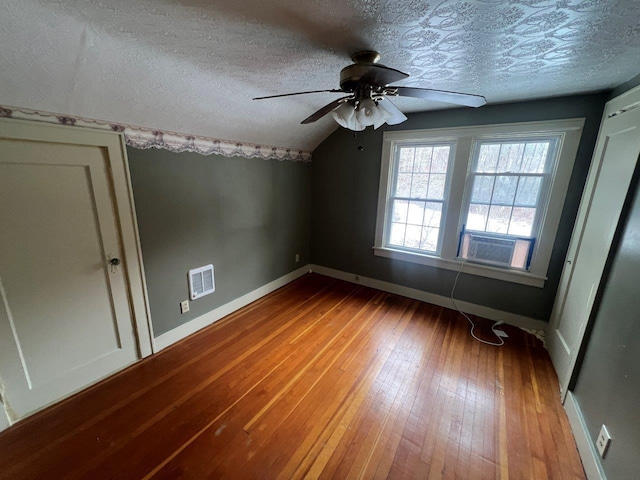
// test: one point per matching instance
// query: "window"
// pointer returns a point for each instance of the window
(490, 196)
(417, 197)
(506, 181)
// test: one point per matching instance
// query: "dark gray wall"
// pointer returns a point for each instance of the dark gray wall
(608, 386)
(249, 217)
(345, 193)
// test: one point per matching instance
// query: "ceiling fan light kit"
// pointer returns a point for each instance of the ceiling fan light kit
(361, 115)
(345, 116)
(367, 103)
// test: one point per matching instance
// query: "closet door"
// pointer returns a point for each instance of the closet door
(66, 319)
(614, 162)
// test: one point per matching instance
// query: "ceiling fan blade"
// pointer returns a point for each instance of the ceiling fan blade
(298, 93)
(456, 98)
(379, 75)
(396, 115)
(326, 109)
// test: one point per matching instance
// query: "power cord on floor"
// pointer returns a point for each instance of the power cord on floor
(473, 325)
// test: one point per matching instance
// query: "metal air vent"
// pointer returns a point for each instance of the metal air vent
(201, 282)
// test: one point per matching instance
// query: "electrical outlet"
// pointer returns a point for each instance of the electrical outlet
(603, 441)
(184, 306)
(297, 257)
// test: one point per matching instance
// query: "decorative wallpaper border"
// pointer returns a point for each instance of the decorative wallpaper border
(144, 138)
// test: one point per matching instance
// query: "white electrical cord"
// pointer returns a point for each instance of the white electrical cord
(473, 325)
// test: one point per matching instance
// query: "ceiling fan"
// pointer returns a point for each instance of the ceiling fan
(366, 83)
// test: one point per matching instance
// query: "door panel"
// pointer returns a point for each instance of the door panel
(65, 321)
(615, 159)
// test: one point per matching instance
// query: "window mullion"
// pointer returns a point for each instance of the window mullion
(455, 198)
(391, 195)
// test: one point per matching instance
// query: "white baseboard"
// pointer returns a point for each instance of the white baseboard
(183, 331)
(516, 320)
(587, 449)
(178, 333)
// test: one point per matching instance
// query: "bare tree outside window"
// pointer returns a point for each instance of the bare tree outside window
(418, 196)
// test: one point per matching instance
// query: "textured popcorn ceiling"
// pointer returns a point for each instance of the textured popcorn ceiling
(193, 66)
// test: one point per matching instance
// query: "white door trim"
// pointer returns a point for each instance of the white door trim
(4, 417)
(114, 143)
(560, 351)
(135, 266)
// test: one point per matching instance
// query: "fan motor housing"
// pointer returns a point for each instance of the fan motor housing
(367, 73)
(350, 77)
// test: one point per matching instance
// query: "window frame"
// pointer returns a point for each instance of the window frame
(393, 176)
(465, 140)
(546, 183)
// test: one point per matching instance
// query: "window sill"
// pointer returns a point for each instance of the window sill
(523, 278)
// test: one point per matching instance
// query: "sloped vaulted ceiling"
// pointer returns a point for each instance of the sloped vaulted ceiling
(192, 66)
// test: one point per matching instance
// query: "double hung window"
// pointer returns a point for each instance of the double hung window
(417, 199)
(491, 196)
(507, 180)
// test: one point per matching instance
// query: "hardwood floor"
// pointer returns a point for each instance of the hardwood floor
(321, 379)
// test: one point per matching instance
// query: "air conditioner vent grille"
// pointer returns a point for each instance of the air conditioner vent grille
(491, 250)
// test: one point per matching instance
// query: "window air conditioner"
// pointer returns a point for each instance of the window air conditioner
(495, 251)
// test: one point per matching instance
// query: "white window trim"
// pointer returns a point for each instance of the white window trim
(464, 138)
(445, 202)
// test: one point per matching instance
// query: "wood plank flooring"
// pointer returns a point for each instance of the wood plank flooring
(320, 379)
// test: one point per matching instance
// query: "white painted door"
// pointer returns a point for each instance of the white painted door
(65, 316)
(614, 161)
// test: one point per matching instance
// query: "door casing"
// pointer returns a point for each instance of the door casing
(113, 145)
(567, 327)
